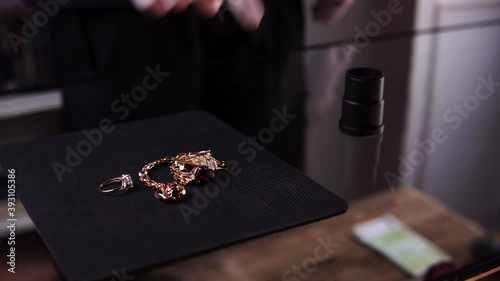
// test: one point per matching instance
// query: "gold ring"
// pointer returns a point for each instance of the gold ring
(125, 180)
(193, 167)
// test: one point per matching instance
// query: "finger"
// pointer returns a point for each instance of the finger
(181, 5)
(156, 9)
(208, 8)
(248, 13)
(167, 5)
(161, 7)
(143, 5)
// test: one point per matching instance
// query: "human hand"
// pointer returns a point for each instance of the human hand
(248, 13)
(159, 8)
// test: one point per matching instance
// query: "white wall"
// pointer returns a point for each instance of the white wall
(463, 171)
(425, 75)
(326, 69)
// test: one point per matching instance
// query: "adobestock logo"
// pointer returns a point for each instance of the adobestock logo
(454, 116)
(201, 198)
(122, 107)
(373, 28)
(277, 124)
(121, 276)
(249, 148)
(30, 28)
(325, 249)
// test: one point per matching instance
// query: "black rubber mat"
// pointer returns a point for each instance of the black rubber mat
(90, 234)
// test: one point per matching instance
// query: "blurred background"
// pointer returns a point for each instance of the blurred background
(434, 54)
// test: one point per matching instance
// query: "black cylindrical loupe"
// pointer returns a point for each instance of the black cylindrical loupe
(363, 103)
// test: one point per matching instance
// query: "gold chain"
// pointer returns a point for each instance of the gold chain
(144, 173)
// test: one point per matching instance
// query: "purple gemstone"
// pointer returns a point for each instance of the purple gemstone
(204, 174)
